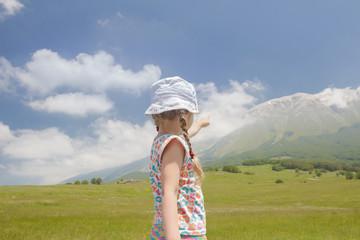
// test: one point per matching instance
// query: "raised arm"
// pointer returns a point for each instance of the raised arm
(196, 126)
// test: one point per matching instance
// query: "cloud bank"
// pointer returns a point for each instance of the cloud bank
(340, 98)
(87, 73)
(76, 86)
(76, 104)
(7, 72)
(43, 144)
(9, 8)
(53, 156)
(227, 106)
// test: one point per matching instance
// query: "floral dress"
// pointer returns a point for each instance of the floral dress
(190, 201)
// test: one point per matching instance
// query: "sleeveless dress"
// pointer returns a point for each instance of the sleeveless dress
(190, 201)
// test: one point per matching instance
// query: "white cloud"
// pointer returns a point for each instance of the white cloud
(111, 22)
(9, 8)
(51, 172)
(7, 71)
(227, 107)
(5, 134)
(122, 142)
(30, 144)
(54, 156)
(77, 104)
(120, 15)
(341, 98)
(90, 76)
(103, 22)
(48, 71)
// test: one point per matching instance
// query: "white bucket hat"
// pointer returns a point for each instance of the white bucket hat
(172, 93)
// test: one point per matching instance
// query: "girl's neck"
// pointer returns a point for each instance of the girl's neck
(169, 127)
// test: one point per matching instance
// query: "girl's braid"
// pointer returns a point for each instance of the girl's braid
(196, 163)
(183, 127)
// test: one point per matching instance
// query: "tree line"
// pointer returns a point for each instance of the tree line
(350, 172)
(94, 181)
(302, 165)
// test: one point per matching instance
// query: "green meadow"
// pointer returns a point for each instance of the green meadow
(238, 206)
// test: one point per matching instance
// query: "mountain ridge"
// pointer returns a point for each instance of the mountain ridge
(292, 116)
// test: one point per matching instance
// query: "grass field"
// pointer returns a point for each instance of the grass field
(238, 206)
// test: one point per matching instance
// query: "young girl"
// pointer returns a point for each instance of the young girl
(175, 172)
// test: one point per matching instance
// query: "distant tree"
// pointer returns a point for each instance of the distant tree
(77, 182)
(210, 169)
(255, 162)
(84, 182)
(277, 167)
(93, 181)
(349, 175)
(297, 170)
(357, 176)
(350, 168)
(293, 164)
(318, 172)
(327, 165)
(231, 169)
(279, 181)
(98, 181)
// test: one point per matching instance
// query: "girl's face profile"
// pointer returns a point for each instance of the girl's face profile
(189, 119)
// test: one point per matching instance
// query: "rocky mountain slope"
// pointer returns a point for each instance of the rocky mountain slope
(289, 118)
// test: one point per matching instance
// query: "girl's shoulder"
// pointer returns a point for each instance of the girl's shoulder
(161, 142)
(166, 138)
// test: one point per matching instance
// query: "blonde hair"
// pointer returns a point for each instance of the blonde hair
(171, 115)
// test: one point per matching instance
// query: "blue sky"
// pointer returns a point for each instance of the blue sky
(74, 75)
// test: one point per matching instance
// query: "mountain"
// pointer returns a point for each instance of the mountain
(323, 126)
(285, 120)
